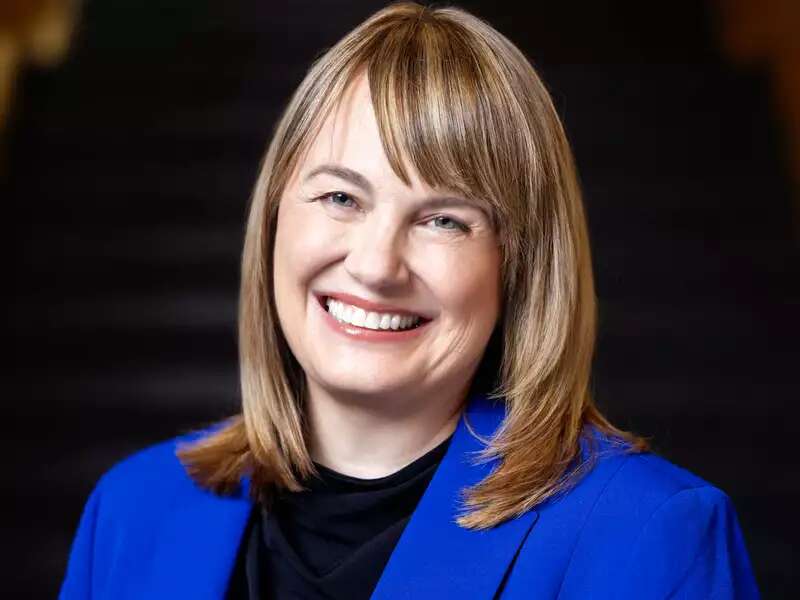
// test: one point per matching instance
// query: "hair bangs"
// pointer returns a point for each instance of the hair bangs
(437, 113)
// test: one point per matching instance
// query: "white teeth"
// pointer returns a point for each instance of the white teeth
(370, 320)
(359, 317)
(373, 321)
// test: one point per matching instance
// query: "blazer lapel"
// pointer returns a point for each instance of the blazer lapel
(435, 557)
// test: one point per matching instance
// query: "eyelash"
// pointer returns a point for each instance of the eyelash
(459, 226)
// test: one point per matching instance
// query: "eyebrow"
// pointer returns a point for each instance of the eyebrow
(362, 182)
(350, 175)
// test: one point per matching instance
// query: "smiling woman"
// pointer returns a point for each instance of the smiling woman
(417, 323)
(349, 229)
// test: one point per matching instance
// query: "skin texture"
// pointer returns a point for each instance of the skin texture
(374, 407)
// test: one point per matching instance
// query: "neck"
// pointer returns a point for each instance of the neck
(374, 437)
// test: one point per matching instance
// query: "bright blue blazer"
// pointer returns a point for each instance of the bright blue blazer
(636, 526)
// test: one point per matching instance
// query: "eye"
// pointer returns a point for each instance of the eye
(449, 223)
(339, 199)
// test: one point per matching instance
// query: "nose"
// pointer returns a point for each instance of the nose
(375, 257)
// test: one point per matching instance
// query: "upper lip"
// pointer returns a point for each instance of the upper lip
(369, 305)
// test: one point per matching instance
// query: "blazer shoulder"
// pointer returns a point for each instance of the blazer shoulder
(650, 475)
(629, 487)
(645, 485)
(665, 532)
(145, 466)
(149, 477)
(645, 472)
(145, 502)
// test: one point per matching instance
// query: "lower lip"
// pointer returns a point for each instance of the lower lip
(370, 335)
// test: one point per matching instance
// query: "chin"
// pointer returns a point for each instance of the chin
(363, 385)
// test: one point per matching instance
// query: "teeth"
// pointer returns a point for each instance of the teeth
(370, 320)
(359, 317)
(373, 321)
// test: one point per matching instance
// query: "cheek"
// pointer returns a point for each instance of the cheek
(467, 284)
(302, 248)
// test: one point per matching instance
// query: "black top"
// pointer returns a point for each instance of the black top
(332, 541)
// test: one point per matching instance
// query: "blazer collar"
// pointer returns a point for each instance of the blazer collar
(435, 557)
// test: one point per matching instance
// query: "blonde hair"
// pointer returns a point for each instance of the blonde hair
(468, 110)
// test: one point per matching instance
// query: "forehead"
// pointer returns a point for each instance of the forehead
(349, 136)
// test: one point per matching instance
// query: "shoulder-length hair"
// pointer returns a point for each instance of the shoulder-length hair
(468, 110)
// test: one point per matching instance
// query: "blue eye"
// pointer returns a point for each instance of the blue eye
(448, 223)
(339, 199)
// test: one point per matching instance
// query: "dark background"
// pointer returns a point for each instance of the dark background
(127, 172)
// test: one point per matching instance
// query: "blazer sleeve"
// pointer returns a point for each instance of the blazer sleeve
(77, 583)
(692, 547)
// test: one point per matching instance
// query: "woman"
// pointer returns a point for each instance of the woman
(417, 321)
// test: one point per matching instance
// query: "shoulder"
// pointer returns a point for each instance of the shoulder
(649, 497)
(145, 503)
(142, 491)
(659, 525)
(149, 473)
(634, 486)
(642, 477)
(650, 478)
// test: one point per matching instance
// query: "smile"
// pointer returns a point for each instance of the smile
(354, 315)
(359, 319)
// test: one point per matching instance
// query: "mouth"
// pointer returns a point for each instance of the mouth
(388, 321)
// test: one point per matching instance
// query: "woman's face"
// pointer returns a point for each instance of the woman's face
(411, 274)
